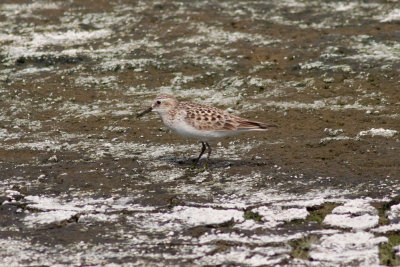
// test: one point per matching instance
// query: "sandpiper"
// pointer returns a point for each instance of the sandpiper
(201, 122)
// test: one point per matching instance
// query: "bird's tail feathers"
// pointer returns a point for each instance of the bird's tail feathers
(254, 125)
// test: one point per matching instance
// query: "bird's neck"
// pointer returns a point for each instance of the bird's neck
(167, 116)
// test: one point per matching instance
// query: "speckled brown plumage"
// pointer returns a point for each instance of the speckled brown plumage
(207, 118)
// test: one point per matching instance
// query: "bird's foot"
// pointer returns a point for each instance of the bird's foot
(205, 167)
(196, 166)
(193, 166)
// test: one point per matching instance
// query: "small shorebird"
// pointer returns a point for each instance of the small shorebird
(201, 122)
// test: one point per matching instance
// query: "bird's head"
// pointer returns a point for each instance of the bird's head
(163, 103)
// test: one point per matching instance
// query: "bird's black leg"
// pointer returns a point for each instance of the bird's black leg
(208, 155)
(203, 148)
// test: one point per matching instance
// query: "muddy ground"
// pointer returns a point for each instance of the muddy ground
(83, 182)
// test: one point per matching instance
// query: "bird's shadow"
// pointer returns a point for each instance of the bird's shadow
(213, 163)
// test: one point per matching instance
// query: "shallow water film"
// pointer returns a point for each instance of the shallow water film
(84, 182)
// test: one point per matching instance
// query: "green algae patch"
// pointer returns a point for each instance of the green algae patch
(317, 214)
(387, 254)
(250, 215)
(301, 247)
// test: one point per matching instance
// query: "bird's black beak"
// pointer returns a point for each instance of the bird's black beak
(144, 112)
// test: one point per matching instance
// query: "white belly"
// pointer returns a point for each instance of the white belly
(188, 131)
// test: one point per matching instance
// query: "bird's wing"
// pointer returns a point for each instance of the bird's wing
(208, 118)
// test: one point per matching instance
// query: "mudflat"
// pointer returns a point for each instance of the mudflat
(84, 182)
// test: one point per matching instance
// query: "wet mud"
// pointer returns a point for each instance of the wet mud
(84, 182)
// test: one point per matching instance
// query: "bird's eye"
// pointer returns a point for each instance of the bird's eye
(158, 102)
